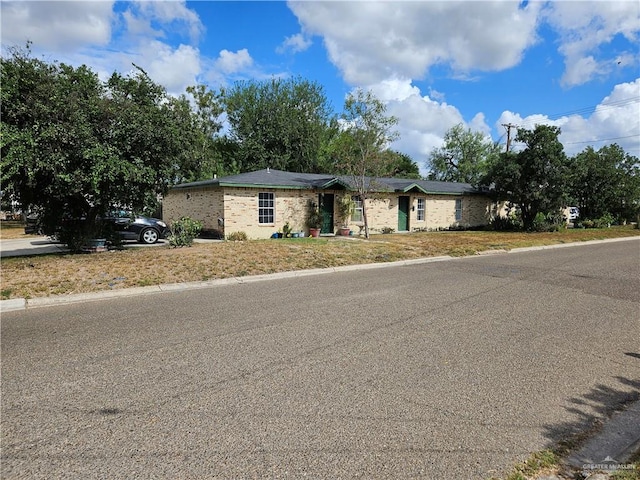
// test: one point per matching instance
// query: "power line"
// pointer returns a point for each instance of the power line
(580, 111)
(600, 106)
(586, 110)
(603, 139)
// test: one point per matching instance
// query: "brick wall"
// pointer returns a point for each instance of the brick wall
(240, 211)
(203, 204)
(441, 211)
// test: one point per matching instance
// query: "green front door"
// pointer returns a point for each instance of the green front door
(326, 207)
(403, 214)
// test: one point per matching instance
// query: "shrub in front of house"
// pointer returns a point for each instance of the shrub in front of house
(237, 237)
(183, 231)
(604, 221)
(550, 222)
(510, 223)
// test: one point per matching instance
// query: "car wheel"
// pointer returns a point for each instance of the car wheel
(149, 236)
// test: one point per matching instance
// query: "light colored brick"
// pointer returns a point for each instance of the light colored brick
(239, 209)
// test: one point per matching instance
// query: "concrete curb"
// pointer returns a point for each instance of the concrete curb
(573, 244)
(615, 444)
(22, 303)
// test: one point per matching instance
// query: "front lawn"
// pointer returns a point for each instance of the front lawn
(38, 276)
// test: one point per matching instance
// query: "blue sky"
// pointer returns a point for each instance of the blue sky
(573, 64)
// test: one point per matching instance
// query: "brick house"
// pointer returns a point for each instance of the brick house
(260, 203)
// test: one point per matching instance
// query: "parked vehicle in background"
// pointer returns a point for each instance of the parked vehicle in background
(31, 226)
(574, 213)
(128, 226)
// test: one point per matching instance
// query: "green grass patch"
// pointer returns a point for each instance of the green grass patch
(545, 461)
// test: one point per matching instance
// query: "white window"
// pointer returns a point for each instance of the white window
(357, 216)
(458, 209)
(420, 210)
(266, 208)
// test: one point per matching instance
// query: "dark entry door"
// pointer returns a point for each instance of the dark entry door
(403, 214)
(326, 207)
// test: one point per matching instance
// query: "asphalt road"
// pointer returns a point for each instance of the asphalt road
(449, 370)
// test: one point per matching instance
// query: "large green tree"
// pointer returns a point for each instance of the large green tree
(278, 123)
(464, 157)
(535, 179)
(363, 144)
(402, 165)
(606, 181)
(199, 114)
(74, 146)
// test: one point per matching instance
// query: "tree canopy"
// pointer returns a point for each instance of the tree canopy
(464, 157)
(74, 146)
(278, 123)
(535, 179)
(606, 182)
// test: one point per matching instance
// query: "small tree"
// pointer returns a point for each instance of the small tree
(363, 143)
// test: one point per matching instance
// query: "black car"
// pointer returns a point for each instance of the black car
(136, 227)
(128, 225)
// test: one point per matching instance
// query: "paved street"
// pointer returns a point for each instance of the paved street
(448, 370)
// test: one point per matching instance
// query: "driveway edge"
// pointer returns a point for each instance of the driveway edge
(15, 304)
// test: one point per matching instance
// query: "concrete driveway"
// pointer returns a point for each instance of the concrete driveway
(447, 370)
(44, 245)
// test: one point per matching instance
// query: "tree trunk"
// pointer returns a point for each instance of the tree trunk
(364, 216)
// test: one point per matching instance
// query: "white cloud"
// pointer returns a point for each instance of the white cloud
(294, 43)
(92, 33)
(174, 14)
(616, 119)
(580, 70)
(422, 121)
(584, 27)
(175, 69)
(56, 26)
(373, 41)
(232, 62)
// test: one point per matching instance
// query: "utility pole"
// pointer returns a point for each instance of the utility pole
(508, 126)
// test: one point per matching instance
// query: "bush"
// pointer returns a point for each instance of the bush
(73, 235)
(550, 222)
(76, 234)
(183, 232)
(604, 221)
(237, 237)
(506, 224)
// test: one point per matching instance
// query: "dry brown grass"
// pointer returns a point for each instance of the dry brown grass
(37, 276)
(11, 230)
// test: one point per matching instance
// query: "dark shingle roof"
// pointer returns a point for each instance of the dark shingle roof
(291, 180)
